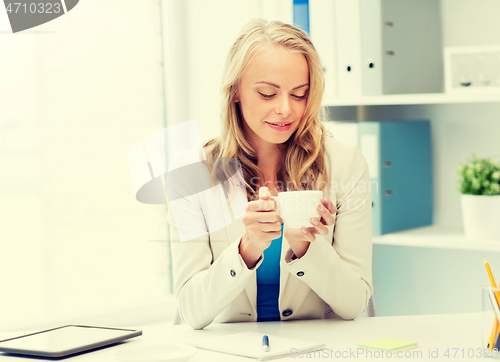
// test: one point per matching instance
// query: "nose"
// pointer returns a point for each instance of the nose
(283, 107)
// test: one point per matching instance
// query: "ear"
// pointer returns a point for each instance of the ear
(236, 99)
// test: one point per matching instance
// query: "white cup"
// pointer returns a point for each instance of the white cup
(296, 208)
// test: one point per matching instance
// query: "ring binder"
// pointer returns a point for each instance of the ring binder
(399, 158)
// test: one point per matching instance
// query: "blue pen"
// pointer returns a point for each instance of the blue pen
(265, 344)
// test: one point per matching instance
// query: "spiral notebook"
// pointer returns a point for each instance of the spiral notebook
(249, 344)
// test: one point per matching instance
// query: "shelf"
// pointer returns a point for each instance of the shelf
(436, 237)
(475, 96)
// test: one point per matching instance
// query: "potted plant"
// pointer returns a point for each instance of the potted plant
(479, 184)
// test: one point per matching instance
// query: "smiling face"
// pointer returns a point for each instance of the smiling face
(273, 95)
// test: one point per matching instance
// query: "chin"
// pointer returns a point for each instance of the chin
(279, 140)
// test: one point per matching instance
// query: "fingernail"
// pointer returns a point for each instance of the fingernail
(304, 231)
(321, 208)
(314, 221)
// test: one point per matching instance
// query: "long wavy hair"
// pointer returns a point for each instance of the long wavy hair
(303, 166)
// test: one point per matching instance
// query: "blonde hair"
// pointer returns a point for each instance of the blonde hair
(303, 167)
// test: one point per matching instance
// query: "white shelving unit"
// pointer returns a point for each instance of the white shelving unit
(362, 47)
(456, 17)
(436, 237)
(408, 99)
(423, 262)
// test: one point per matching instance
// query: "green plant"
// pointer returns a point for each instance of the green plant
(479, 176)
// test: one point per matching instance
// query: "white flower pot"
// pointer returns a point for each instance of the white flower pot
(481, 216)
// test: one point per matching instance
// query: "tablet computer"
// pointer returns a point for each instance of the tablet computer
(64, 341)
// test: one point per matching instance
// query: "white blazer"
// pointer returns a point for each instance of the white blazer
(333, 279)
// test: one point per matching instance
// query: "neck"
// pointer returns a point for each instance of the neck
(269, 159)
(269, 155)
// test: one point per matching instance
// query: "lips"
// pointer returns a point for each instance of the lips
(281, 127)
(280, 124)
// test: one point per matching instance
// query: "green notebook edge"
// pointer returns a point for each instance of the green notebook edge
(377, 344)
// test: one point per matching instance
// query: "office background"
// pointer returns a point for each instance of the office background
(78, 92)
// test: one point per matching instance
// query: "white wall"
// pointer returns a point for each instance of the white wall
(75, 95)
(470, 22)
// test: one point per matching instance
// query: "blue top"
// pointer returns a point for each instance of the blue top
(268, 283)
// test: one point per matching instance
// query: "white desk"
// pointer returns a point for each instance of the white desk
(435, 333)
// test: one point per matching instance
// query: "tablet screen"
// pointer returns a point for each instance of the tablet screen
(65, 340)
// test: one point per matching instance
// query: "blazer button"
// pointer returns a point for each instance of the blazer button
(300, 274)
(287, 313)
(233, 273)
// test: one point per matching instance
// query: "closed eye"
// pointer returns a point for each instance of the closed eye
(267, 95)
(299, 97)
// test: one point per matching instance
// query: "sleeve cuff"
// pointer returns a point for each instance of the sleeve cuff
(309, 259)
(243, 265)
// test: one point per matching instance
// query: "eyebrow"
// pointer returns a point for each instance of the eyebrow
(277, 86)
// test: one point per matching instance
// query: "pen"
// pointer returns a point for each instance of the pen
(265, 344)
(494, 303)
(494, 332)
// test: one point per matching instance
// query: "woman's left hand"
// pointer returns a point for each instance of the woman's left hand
(299, 239)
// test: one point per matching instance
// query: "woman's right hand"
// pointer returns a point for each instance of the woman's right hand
(262, 224)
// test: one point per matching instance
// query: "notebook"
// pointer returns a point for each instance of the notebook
(249, 344)
(388, 344)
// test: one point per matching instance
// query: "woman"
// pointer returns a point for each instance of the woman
(253, 269)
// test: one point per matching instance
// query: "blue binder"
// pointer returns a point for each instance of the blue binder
(400, 160)
(301, 14)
